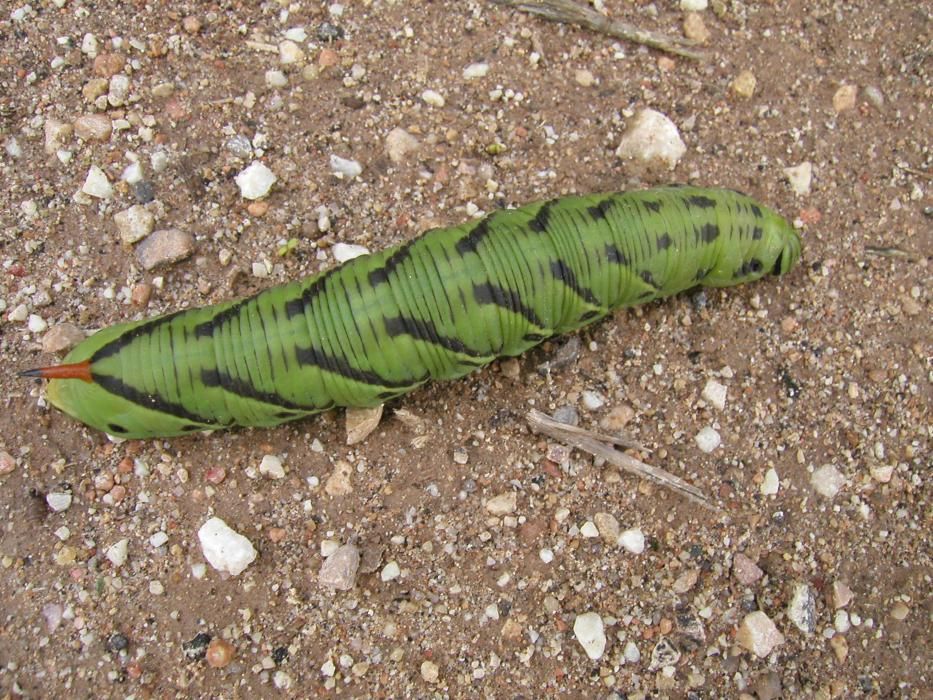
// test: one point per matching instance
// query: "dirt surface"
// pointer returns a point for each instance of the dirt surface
(460, 593)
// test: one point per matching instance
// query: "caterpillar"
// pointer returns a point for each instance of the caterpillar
(436, 307)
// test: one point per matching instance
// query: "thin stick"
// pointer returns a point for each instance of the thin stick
(599, 445)
(571, 12)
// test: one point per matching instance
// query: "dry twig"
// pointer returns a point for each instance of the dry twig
(600, 446)
(571, 12)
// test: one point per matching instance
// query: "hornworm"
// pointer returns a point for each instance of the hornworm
(436, 307)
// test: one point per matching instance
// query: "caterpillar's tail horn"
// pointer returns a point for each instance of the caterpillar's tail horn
(77, 370)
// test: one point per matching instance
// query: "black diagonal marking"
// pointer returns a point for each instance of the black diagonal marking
(127, 337)
(701, 201)
(562, 272)
(381, 274)
(534, 337)
(470, 242)
(426, 331)
(615, 255)
(207, 328)
(338, 365)
(649, 279)
(707, 233)
(664, 241)
(297, 305)
(153, 402)
(601, 209)
(507, 299)
(757, 233)
(541, 219)
(776, 270)
(652, 205)
(214, 378)
(756, 210)
(750, 267)
(702, 273)
(590, 315)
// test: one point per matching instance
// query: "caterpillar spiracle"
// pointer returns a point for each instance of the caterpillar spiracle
(436, 307)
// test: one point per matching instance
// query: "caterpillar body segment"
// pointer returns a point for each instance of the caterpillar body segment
(436, 307)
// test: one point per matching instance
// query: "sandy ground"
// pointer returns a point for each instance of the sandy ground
(458, 596)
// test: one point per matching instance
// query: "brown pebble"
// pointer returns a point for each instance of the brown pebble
(215, 475)
(7, 463)
(219, 653)
(140, 294)
(134, 670)
(327, 58)
(63, 336)
(191, 24)
(93, 127)
(176, 110)
(530, 530)
(840, 647)
(844, 98)
(257, 209)
(118, 493)
(94, 88)
(276, 534)
(666, 64)
(665, 626)
(695, 29)
(125, 466)
(107, 65)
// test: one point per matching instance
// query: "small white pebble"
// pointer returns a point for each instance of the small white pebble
(800, 177)
(433, 98)
(475, 70)
(593, 400)
(841, 621)
(708, 439)
(58, 502)
(276, 79)
(255, 181)
(271, 467)
(714, 394)
(158, 539)
(117, 552)
(328, 547)
(589, 529)
(633, 540)
(347, 251)
(589, 631)
(224, 548)
(96, 184)
(344, 167)
(770, 484)
(547, 555)
(36, 324)
(827, 481)
(390, 572)
(156, 588)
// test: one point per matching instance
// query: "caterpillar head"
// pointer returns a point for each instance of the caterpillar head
(773, 247)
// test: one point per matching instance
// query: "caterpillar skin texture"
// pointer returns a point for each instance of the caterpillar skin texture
(437, 307)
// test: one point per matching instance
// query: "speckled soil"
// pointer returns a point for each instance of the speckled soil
(830, 364)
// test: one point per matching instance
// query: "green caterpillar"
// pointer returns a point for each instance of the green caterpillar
(437, 307)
